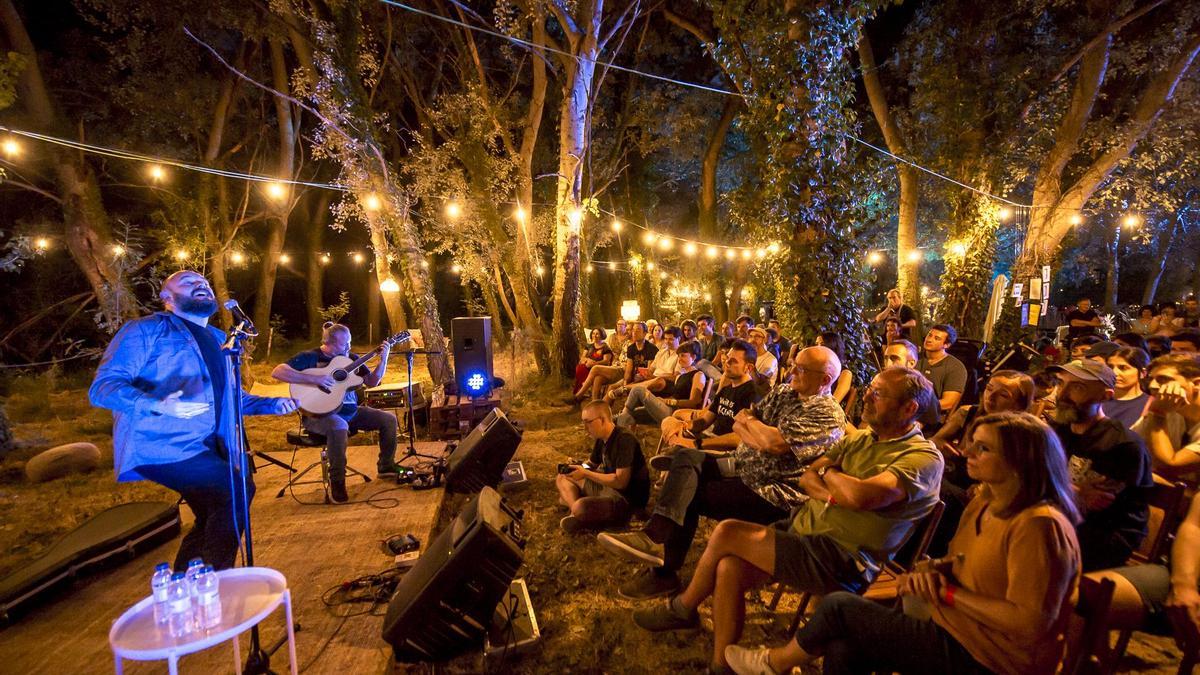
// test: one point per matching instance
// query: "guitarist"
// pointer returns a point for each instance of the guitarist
(335, 427)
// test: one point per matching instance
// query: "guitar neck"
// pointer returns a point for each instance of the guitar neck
(360, 361)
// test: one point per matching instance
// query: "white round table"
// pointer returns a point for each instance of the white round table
(248, 595)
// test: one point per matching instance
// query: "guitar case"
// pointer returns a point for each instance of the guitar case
(109, 538)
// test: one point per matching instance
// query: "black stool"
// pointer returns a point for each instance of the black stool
(301, 438)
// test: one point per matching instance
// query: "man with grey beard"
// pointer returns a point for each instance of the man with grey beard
(164, 379)
(1110, 467)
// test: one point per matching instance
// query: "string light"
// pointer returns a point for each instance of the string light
(182, 254)
(540, 271)
(1131, 220)
(729, 254)
(11, 148)
(588, 268)
(747, 254)
(616, 225)
(519, 214)
(874, 257)
(1005, 213)
(42, 243)
(575, 218)
(689, 249)
(455, 268)
(276, 190)
(650, 266)
(389, 285)
(957, 248)
(285, 258)
(372, 203)
(711, 251)
(237, 258)
(635, 263)
(1076, 219)
(325, 259)
(453, 210)
(761, 253)
(425, 264)
(649, 238)
(118, 250)
(914, 256)
(665, 244)
(157, 173)
(662, 275)
(773, 248)
(358, 258)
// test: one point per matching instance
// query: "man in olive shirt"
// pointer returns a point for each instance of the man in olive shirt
(865, 496)
(945, 373)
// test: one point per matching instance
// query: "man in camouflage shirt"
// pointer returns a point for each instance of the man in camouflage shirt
(790, 428)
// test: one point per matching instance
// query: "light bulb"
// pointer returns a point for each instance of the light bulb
(372, 203)
(11, 148)
(649, 238)
(455, 268)
(616, 225)
(958, 248)
(1131, 220)
(237, 258)
(689, 249)
(325, 259)
(574, 218)
(761, 253)
(181, 254)
(747, 254)
(874, 257)
(588, 268)
(914, 256)
(285, 258)
(1076, 219)
(730, 254)
(453, 210)
(276, 190)
(157, 173)
(666, 243)
(1005, 213)
(42, 243)
(358, 258)
(389, 285)
(118, 249)
(650, 266)
(773, 248)
(519, 214)
(711, 252)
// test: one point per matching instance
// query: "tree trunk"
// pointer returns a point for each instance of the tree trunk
(573, 144)
(218, 227)
(1112, 247)
(87, 231)
(315, 276)
(711, 160)
(1162, 248)
(908, 271)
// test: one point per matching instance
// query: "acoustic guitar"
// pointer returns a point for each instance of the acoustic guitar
(316, 400)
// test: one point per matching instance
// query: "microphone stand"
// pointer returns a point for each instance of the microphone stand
(258, 660)
(412, 416)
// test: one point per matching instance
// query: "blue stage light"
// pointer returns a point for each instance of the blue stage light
(475, 382)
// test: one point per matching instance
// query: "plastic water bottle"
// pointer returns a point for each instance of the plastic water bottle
(193, 568)
(179, 618)
(158, 589)
(208, 599)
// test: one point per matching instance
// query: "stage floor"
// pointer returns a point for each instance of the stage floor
(315, 547)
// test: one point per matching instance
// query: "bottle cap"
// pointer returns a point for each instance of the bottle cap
(195, 561)
(178, 576)
(162, 566)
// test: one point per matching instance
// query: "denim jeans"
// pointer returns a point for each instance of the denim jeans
(856, 635)
(204, 482)
(640, 405)
(336, 430)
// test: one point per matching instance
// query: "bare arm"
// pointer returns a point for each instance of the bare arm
(1171, 463)
(285, 373)
(695, 396)
(870, 494)
(842, 387)
(618, 480)
(949, 400)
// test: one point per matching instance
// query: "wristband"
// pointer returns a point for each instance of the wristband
(831, 501)
(949, 601)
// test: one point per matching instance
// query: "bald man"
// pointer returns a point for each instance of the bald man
(791, 427)
(164, 378)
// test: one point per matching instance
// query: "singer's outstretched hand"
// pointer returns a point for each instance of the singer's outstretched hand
(284, 406)
(172, 406)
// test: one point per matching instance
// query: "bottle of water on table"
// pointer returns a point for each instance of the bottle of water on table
(208, 599)
(179, 619)
(158, 589)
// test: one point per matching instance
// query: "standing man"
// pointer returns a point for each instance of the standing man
(164, 378)
(946, 373)
(336, 427)
(1082, 320)
(896, 309)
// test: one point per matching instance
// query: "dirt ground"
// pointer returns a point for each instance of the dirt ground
(586, 627)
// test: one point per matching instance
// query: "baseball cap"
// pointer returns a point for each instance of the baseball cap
(1102, 349)
(1087, 370)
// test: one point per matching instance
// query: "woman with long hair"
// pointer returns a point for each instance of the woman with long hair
(1128, 403)
(833, 341)
(598, 353)
(1001, 602)
(1006, 391)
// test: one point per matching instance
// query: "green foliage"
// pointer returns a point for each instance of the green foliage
(337, 311)
(11, 67)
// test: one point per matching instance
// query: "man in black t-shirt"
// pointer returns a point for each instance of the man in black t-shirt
(712, 429)
(896, 309)
(336, 426)
(1110, 467)
(1082, 320)
(615, 480)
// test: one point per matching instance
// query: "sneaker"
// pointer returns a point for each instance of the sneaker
(572, 525)
(389, 469)
(746, 661)
(660, 617)
(337, 491)
(649, 584)
(633, 544)
(660, 462)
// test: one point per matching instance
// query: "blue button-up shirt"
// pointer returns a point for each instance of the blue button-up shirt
(149, 359)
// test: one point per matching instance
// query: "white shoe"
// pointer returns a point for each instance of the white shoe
(746, 661)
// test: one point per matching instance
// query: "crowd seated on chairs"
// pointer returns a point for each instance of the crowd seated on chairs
(1052, 474)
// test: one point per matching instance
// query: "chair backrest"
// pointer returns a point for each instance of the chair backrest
(1166, 512)
(922, 535)
(1087, 651)
(711, 375)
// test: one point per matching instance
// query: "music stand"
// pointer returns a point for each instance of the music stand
(412, 419)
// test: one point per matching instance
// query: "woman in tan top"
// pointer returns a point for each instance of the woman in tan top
(1005, 602)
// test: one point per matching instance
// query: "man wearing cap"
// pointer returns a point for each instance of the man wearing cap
(1110, 468)
(766, 364)
(1100, 351)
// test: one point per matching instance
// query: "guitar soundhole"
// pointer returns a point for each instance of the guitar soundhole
(339, 375)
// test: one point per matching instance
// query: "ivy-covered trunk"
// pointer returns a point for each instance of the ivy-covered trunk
(967, 278)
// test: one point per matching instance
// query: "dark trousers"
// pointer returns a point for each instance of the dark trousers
(693, 488)
(856, 635)
(336, 430)
(203, 482)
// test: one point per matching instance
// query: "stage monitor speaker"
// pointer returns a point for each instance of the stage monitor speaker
(443, 606)
(472, 341)
(480, 458)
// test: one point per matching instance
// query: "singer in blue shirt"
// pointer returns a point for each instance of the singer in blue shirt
(164, 378)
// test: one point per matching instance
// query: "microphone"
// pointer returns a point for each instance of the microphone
(240, 315)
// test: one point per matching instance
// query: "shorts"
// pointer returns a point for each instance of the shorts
(815, 563)
(593, 489)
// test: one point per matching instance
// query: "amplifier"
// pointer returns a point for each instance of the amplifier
(394, 395)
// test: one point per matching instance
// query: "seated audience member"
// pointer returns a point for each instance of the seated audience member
(1141, 325)
(892, 330)
(1158, 345)
(709, 340)
(1082, 320)
(1191, 312)
(598, 353)
(1186, 342)
(1004, 603)
(1100, 351)
(794, 425)
(774, 347)
(904, 354)
(1110, 467)
(845, 379)
(656, 332)
(785, 345)
(1081, 345)
(660, 372)
(687, 331)
(617, 483)
(638, 354)
(946, 373)
(1171, 425)
(1043, 403)
(1129, 401)
(766, 366)
(866, 495)
(1131, 340)
(713, 428)
(618, 340)
(1006, 391)
(743, 324)
(686, 392)
(723, 345)
(1166, 323)
(1146, 595)
(896, 309)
